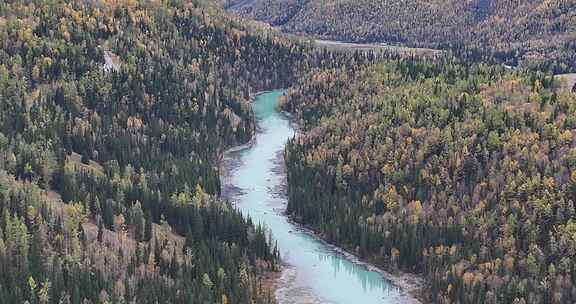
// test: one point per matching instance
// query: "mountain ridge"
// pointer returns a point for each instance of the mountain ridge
(533, 32)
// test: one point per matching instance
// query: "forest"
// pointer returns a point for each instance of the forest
(464, 173)
(112, 118)
(114, 115)
(532, 33)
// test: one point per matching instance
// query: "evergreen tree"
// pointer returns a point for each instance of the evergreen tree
(148, 227)
(108, 215)
(100, 235)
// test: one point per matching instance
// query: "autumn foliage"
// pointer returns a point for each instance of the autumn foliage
(464, 173)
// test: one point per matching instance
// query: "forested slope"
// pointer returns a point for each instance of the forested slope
(531, 32)
(112, 117)
(464, 173)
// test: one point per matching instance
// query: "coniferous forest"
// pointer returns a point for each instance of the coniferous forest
(114, 115)
(461, 172)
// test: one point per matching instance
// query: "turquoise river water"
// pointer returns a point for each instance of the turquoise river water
(314, 272)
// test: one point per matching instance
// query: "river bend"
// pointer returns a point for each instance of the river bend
(314, 272)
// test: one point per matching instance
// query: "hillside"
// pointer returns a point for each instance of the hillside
(531, 32)
(463, 173)
(112, 118)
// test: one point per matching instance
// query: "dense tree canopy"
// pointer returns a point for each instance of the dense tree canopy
(462, 172)
(112, 118)
(113, 115)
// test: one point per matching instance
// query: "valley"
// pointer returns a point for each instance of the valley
(287, 152)
(313, 271)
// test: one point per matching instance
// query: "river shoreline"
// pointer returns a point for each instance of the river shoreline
(409, 285)
(270, 279)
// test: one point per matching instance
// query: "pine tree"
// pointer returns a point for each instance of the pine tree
(108, 215)
(36, 255)
(148, 227)
(82, 234)
(100, 232)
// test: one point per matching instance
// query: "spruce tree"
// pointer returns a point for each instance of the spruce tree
(148, 227)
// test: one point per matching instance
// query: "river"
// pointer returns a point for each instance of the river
(313, 271)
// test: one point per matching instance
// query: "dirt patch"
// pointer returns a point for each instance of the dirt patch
(112, 62)
(567, 82)
(75, 160)
(123, 238)
(270, 280)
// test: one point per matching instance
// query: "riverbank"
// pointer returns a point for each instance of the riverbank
(312, 270)
(411, 284)
(270, 279)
